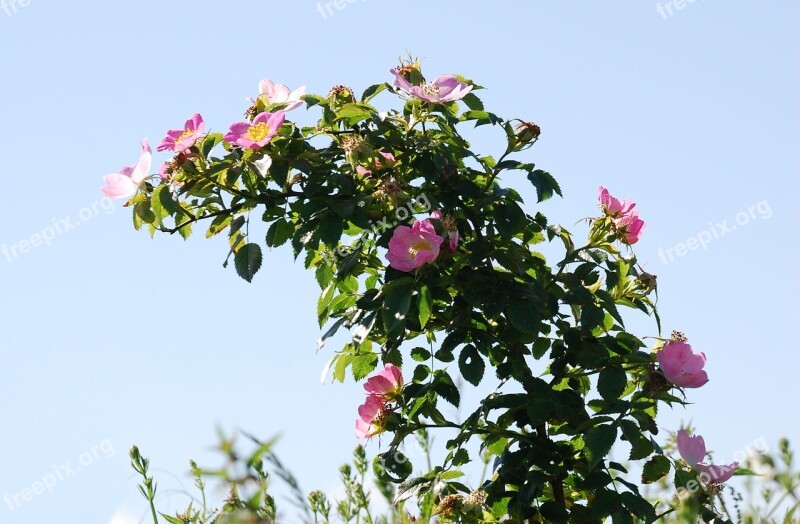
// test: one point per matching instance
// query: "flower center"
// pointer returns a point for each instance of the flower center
(187, 133)
(430, 89)
(258, 132)
(416, 247)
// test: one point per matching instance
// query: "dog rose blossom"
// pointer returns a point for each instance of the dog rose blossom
(387, 384)
(445, 88)
(257, 134)
(681, 366)
(179, 140)
(693, 450)
(612, 206)
(125, 183)
(629, 228)
(412, 247)
(371, 418)
(280, 94)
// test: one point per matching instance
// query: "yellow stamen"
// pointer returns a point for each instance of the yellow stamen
(187, 133)
(258, 132)
(416, 247)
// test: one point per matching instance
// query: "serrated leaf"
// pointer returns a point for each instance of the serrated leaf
(279, 232)
(471, 364)
(396, 303)
(545, 184)
(612, 382)
(425, 305)
(655, 469)
(248, 261)
(599, 441)
(363, 365)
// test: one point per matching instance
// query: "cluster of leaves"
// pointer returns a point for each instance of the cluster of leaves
(571, 380)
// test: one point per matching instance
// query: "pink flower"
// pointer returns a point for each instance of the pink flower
(412, 247)
(279, 94)
(614, 207)
(387, 384)
(258, 134)
(629, 227)
(371, 419)
(445, 88)
(681, 366)
(125, 183)
(693, 451)
(451, 230)
(180, 140)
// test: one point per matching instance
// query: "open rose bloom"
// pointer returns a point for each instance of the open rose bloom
(412, 247)
(626, 222)
(681, 366)
(125, 183)
(443, 89)
(387, 384)
(179, 140)
(280, 94)
(693, 450)
(612, 206)
(257, 134)
(371, 418)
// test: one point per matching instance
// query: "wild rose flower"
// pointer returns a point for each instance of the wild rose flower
(180, 140)
(681, 366)
(445, 88)
(412, 247)
(693, 450)
(450, 227)
(387, 384)
(257, 134)
(629, 228)
(612, 206)
(371, 419)
(125, 183)
(280, 94)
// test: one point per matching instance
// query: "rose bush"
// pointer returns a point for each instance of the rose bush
(454, 287)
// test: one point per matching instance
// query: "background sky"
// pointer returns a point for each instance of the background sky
(110, 338)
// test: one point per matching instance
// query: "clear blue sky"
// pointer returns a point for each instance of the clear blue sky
(110, 338)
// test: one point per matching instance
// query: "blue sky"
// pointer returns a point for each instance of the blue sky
(110, 338)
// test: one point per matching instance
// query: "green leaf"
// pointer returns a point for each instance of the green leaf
(363, 365)
(612, 382)
(355, 113)
(509, 218)
(330, 230)
(372, 90)
(163, 202)
(592, 316)
(655, 469)
(545, 184)
(473, 102)
(248, 261)
(279, 232)
(599, 440)
(425, 305)
(471, 365)
(396, 303)
(420, 354)
(522, 315)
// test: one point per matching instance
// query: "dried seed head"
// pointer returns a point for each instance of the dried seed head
(351, 142)
(677, 336)
(450, 505)
(340, 91)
